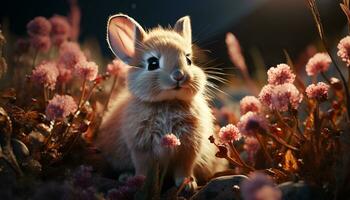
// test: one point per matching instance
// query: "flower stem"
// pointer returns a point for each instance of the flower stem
(282, 142)
(290, 130)
(297, 128)
(317, 126)
(115, 81)
(89, 94)
(82, 93)
(348, 77)
(264, 148)
(63, 88)
(326, 78)
(245, 165)
(34, 58)
(47, 140)
(317, 18)
(45, 96)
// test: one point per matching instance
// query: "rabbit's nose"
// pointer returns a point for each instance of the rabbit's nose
(177, 75)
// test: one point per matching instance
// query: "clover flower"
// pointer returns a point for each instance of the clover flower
(344, 50)
(82, 176)
(133, 184)
(117, 67)
(170, 141)
(86, 70)
(41, 43)
(65, 75)
(250, 103)
(60, 29)
(250, 123)
(259, 186)
(39, 26)
(317, 91)
(45, 74)
(60, 106)
(70, 54)
(22, 46)
(318, 63)
(251, 146)
(229, 133)
(279, 97)
(280, 74)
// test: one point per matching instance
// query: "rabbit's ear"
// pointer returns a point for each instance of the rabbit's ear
(123, 35)
(183, 27)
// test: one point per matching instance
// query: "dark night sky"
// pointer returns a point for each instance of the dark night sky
(269, 25)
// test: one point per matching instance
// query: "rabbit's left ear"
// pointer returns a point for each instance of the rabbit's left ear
(124, 34)
(183, 27)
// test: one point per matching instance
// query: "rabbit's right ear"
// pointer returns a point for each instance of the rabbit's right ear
(123, 34)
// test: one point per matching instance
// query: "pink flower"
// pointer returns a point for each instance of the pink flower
(279, 97)
(22, 45)
(60, 106)
(45, 74)
(39, 26)
(135, 181)
(70, 54)
(280, 75)
(286, 94)
(344, 50)
(229, 133)
(65, 75)
(268, 192)
(336, 83)
(251, 122)
(318, 63)
(319, 91)
(259, 186)
(250, 103)
(87, 70)
(170, 141)
(41, 43)
(60, 29)
(266, 94)
(117, 67)
(235, 52)
(251, 146)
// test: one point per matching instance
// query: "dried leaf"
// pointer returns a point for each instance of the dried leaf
(346, 2)
(290, 162)
(211, 139)
(9, 94)
(346, 11)
(278, 175)
(316, 16)
(5, 126)
(3, 66)
(222, 153)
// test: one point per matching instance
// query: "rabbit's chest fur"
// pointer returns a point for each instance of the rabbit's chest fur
(136, 126)
(145, 123)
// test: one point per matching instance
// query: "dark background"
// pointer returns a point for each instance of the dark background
(268, 25)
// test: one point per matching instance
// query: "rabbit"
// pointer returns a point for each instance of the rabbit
(165, 93)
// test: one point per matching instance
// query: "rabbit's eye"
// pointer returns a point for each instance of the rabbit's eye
(153, 63)
(188, 60)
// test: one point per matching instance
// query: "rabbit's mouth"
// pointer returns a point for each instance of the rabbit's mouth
(183, 84)
(177, 87)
